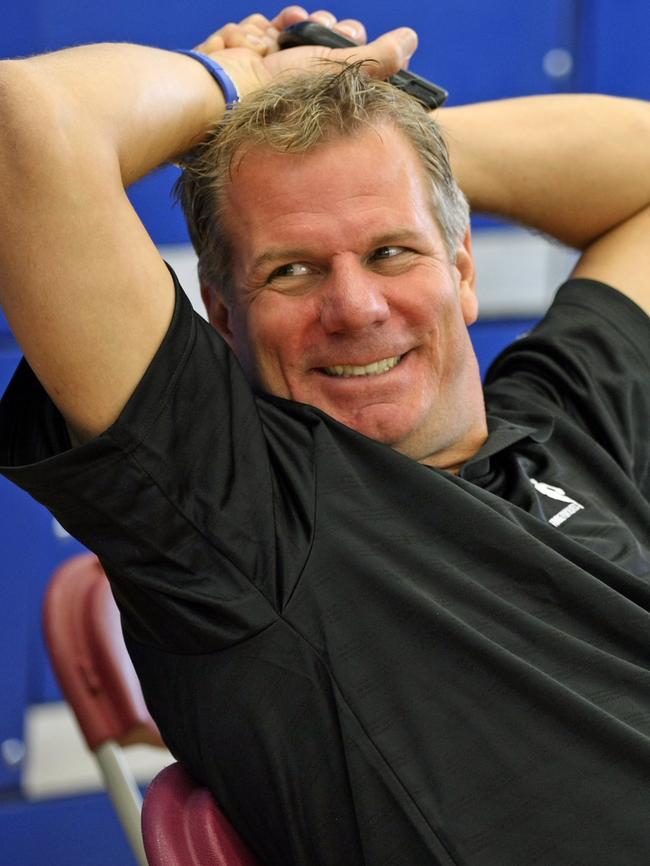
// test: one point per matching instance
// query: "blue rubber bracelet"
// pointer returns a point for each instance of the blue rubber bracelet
(225, 82)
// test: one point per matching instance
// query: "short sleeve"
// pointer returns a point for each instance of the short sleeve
(176, 498)
(588, 359)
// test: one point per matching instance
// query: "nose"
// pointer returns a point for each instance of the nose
(352, 299)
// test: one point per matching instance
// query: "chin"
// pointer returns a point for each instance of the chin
(386, 430)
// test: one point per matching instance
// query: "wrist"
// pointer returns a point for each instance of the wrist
(220, 75)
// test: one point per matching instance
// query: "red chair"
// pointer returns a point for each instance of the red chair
(84, 639)
(183, 826)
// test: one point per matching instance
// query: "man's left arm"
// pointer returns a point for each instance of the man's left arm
(575, 167)
(621, 258)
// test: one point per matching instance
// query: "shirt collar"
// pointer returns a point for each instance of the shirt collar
(502, 434)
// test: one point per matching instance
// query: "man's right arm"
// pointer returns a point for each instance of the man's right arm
(85, 291)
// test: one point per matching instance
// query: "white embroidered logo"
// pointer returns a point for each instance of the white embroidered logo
(558, 494)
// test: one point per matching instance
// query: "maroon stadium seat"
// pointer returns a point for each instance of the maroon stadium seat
(183, 826)
(84, 639)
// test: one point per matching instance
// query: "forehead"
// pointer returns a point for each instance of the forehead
(366, 180)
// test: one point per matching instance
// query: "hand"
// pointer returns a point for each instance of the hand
(249, 50)
(260, 34)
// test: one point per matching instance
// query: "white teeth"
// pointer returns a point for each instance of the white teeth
(368, 370)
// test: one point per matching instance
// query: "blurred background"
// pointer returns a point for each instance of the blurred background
(51, 810)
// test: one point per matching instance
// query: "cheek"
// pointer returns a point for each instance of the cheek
(267, 327)
(433, 308)
(239, 340)
(267, 342)
(440, 319)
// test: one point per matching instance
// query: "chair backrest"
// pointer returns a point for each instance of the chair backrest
(183, 826)
(85, 643)
(84, 639)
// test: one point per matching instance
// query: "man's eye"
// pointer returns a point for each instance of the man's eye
(293, 269)
(386, 253)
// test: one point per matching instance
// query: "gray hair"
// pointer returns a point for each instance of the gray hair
(295, 115)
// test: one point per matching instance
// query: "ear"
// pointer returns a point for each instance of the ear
(467, 279)
(218, 311)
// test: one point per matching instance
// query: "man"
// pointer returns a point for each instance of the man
(383, 625)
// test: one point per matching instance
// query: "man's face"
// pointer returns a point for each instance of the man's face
(343, 296)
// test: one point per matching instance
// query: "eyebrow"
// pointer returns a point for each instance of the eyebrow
(277, 254)
(297, 254)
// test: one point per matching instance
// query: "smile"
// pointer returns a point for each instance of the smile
(374, 369)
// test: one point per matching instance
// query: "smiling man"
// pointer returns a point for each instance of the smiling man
(361, 270)
(386, 616)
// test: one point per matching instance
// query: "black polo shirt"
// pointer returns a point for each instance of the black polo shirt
(370, 661)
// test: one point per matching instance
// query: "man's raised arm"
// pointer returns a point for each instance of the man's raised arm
(576, 167)
(83, 286)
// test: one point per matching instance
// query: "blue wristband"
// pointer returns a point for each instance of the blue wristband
(225, 82)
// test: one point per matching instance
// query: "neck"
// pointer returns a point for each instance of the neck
(455, 456)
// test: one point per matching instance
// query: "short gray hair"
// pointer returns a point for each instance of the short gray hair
(298, 114)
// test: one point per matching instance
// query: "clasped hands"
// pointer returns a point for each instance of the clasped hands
(249, 50)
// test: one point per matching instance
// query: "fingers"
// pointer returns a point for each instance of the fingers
(385, 55)
(327, 19)
(288, 16)
(353, 29)
(214, 42)
(211, 44)
(255, 32)
(245, 35)
(349, 27)
(258, 34)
